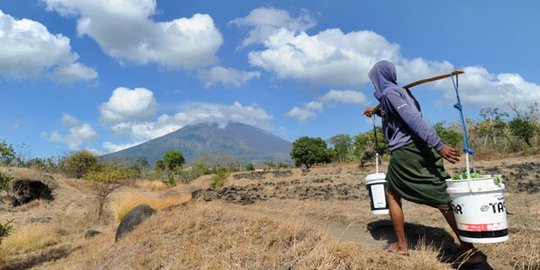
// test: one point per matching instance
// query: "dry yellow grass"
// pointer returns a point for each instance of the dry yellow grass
(154, 185)
(121, 206)
(210, 236)
(29, 238)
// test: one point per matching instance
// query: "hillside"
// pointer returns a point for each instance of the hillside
(286, 219)
(239, 141)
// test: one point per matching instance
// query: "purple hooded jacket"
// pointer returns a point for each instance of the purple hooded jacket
(401, 117)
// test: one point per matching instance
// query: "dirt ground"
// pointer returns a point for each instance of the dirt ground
(331, 198)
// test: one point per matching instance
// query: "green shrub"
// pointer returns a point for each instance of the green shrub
(219, 179)
(7, 154)
(171, 181)
(199, 168)
(79, 164)
(5, 181)
(5, 229)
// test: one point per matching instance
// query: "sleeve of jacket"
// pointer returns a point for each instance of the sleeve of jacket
(413, 119)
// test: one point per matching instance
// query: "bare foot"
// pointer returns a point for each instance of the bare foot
(394, 248)
(471, 257)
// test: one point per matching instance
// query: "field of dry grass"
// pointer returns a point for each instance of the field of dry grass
(288, 220)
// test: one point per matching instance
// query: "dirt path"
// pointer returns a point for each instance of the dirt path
(377, 233)
(353, 232)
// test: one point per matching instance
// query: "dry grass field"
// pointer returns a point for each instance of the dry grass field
(285, 219)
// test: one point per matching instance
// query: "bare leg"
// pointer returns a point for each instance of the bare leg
(474, 257)
(398, 223)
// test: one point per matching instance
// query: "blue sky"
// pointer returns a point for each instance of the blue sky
(104, 75)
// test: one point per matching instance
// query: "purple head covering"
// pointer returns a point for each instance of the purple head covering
(383, 75)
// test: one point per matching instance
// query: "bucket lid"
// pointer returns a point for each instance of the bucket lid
(375, 176)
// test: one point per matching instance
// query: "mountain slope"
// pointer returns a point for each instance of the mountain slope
(239, 141)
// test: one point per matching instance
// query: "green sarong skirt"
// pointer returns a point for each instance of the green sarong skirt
(416, 173)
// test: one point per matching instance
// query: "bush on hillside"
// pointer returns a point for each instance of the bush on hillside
(5, 228)
(219, 179)
(41, 164)
(79, 164)
(7, 154)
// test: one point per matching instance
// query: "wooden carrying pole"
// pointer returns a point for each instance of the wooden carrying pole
(413, 84)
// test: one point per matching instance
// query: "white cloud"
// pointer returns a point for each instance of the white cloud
(28, 50)
(125, 31)
(225, 76)
(266, 21)
(17, 124)
(314, 106)
(190, 114)
(95, 151)
(331, 57)
(309, 110)
(302, 114)
(345, 96)
(328, 58)
(282, 131)
(74, 72)
(78, 134)
(128, 105)
(69, 120)
(478, 86)
(112, 147)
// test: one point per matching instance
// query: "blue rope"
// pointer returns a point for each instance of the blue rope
(466, 146)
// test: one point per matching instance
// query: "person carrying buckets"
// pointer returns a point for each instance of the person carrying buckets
(415, 171)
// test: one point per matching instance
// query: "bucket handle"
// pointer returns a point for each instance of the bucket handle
(376, 145)
(466, 147)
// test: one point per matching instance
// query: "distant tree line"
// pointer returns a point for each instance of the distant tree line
(495, 131)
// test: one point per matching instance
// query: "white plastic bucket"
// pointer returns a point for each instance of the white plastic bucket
(479, 209)
(376, 185)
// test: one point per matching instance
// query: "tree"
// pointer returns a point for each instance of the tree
(250, 167)
(522, 129)
(7, 154)
(365, 142)
(142, 162)
(173, 159)
(42, 164)
(307, 151)
(448, 135)
(342, 146)
(106, 179)
(160, 165)
(79, 163)
(493, 125)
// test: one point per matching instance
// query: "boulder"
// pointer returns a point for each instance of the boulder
(132, 219)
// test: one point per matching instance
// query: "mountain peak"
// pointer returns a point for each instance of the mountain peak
(237, 140)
